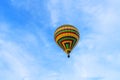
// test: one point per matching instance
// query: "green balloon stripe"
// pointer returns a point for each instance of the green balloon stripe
(61, 46)
(66, 35)
(62, 31)
(67, 46)
(66, 39)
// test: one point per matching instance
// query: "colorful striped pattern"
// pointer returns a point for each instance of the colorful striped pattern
(66, 36)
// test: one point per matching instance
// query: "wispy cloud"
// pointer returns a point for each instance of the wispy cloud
(99, 48)
(27, 51)
(17, 57)
(12, 54)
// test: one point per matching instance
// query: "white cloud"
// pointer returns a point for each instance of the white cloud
(98, 49)
(98, 54)
(61, 12)
(18, 59)
(54, 11)
(12, 54)
(98, 61)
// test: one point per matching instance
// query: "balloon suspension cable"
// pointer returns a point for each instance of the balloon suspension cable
(68, 56)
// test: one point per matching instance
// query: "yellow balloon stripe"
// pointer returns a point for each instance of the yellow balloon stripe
(66, 34)
(65, 27)
(67, 42)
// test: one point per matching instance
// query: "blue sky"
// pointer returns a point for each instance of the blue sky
(28, 50)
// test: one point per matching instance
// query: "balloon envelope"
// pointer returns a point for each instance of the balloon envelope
(66, 36)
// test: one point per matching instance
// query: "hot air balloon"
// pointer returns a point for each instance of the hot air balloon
(66, 36)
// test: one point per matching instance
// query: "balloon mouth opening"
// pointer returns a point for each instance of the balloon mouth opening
(68, 51)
